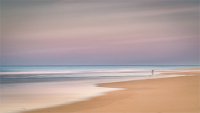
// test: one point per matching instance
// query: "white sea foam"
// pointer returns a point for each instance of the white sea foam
(28, 93)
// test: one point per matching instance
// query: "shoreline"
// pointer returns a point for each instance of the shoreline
(86, 106)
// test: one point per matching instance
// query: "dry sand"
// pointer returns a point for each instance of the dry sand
(163, 95)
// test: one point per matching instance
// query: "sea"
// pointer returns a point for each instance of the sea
(24, 88)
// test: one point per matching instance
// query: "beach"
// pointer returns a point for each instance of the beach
(99, 56)
(178, 94)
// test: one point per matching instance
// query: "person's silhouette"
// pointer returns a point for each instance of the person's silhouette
(152, 72)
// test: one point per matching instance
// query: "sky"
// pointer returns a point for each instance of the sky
(100, 32)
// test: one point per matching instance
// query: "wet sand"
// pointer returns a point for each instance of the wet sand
(163, 95)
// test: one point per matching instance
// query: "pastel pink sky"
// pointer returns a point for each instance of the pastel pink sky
(106, 32)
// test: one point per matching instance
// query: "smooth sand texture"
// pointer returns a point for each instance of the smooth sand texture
(165, 95)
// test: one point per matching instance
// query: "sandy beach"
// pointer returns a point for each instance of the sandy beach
(163, 95)
(99, 56)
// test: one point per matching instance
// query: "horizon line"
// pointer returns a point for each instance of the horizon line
(109, 65)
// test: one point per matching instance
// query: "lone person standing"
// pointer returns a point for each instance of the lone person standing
(152, 72)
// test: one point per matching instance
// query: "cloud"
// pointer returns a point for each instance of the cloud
(93, 31)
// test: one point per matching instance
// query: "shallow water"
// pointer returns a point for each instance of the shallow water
(26, 96)
(25, 88)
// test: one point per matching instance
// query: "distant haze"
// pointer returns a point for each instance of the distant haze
(100, 32)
